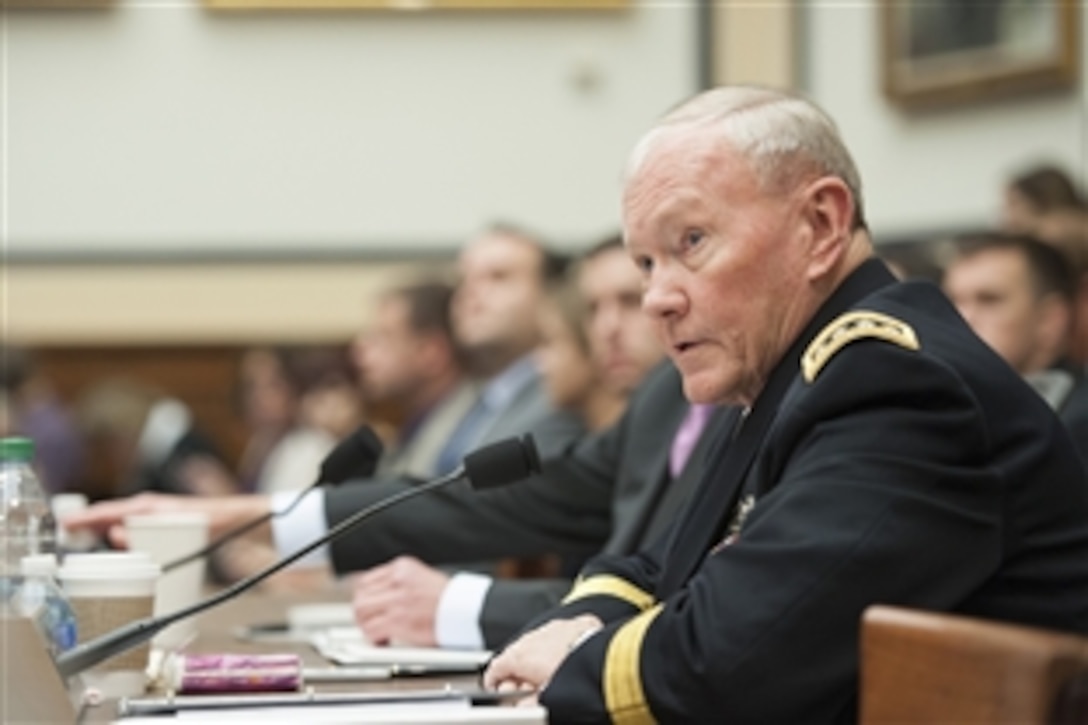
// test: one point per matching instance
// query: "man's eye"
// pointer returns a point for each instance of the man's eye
(692, 238)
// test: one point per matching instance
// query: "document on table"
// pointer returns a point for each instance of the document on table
(349, 646)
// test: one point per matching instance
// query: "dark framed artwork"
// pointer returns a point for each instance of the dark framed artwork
(942, 52)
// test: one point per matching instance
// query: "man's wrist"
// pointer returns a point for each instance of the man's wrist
(592, 626)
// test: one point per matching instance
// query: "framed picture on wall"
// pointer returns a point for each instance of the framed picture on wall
(942, 52)
(416, 5)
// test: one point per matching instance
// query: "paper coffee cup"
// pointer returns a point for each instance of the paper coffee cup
(109, 590)
(165, 538)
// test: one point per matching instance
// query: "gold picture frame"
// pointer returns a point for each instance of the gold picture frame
(946, 52)
(416, 5)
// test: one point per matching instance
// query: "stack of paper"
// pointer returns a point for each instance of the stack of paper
(349, 646)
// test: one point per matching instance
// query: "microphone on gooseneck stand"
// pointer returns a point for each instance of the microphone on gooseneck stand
(495, 465)
(354, 457)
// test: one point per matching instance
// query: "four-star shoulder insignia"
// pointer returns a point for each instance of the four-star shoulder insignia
(851, 326)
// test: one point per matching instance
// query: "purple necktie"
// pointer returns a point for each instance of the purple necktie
(687, 436)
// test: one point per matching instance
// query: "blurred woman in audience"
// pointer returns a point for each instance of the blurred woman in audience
(1034, 194)
(325, 407)
(267, 400)
(573, 381)
(297, 403)
(331, 399)
(31, 407)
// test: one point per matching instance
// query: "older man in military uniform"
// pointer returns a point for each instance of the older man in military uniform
(883, 453)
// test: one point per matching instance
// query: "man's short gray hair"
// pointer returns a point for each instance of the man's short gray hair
(786, 138)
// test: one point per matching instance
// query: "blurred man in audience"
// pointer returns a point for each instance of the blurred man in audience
(408, 601)
(1017, 294)
(879, 451)
(408, 359)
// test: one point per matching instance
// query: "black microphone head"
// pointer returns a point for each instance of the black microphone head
(354, 457)
(503, 462)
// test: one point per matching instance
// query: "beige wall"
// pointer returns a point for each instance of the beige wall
(147, 303)
(155, 126)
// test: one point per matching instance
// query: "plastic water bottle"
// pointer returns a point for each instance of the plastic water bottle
(27, 527)
(40, 598)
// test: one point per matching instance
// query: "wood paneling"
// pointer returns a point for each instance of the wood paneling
(201, 376)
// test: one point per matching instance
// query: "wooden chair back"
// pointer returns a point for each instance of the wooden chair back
(926, 667)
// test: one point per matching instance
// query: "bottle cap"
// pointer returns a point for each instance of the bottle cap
(16, 449)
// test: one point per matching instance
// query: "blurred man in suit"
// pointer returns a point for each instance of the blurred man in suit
(1017, 294)
(409, 359)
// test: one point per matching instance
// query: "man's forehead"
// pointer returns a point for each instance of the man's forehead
(499, 250)
(677, 177)
(1010, 260)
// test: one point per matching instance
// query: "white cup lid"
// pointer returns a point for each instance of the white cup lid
(99, 558)
(127, 573)
(38, 565)
(105, 561)
(105, 565)
(68, 502)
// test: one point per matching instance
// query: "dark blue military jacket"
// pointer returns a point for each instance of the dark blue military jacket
(891, 458)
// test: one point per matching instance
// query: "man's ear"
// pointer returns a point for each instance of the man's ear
(828, 212)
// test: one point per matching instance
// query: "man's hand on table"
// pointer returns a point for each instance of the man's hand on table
(398, 602)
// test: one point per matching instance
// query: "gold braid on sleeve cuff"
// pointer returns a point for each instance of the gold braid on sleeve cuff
(610, 586)
(622, 681)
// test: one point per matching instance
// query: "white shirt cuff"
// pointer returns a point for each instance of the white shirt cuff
(457, 622)
(305, 524)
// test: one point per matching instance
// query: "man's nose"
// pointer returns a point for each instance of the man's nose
(663, 297)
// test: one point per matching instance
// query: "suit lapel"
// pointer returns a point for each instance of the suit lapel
(724, 478)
